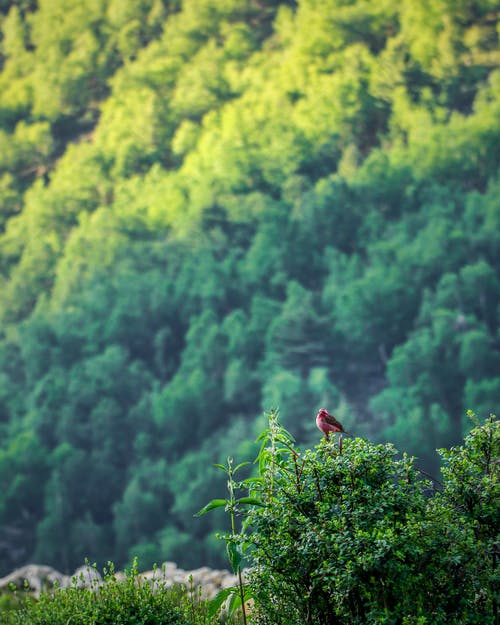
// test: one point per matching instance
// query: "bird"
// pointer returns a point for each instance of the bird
(328, 423)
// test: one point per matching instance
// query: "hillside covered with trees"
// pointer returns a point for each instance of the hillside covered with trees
(212, 207)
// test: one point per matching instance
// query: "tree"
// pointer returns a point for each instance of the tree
(352, 534)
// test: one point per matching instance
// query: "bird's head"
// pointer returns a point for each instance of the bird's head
(323, 413)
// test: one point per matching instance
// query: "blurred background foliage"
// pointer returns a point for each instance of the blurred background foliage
(211, 207)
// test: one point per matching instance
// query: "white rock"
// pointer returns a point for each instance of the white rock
(36, 578)
(40, 578)
(87, 577)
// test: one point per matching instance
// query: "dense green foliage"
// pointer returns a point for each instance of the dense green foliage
(351, 535)
(129, 601)
(210, 206)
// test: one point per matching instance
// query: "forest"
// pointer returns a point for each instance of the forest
(212, 208)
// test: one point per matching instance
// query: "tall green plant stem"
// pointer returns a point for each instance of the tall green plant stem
(232, 513)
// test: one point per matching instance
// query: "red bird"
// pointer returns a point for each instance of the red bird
(327, 423)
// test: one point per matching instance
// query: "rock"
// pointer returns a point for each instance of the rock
(169, 567)
(35, 578)
(87, 577)
(211, 581)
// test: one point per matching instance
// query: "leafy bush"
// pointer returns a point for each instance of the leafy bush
(131, 601)
(10, 602)
(353, 534)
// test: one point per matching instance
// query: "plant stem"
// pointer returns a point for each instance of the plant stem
(242, 596)
(233, 533)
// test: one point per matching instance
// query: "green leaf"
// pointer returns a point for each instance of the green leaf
(211, 505)
(251, 501)
(263, 435)
(241, 465)
(248, 593)
(251, 481)
(288, 437)
(215, 604)
(234, 603)
(220, 466)
(234, 555)
(263, 458)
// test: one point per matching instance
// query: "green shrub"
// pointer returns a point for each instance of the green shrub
(354, 534)
(119, 601)
(129, 602)
(10, 602)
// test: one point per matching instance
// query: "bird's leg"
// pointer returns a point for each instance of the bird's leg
(340, 443)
